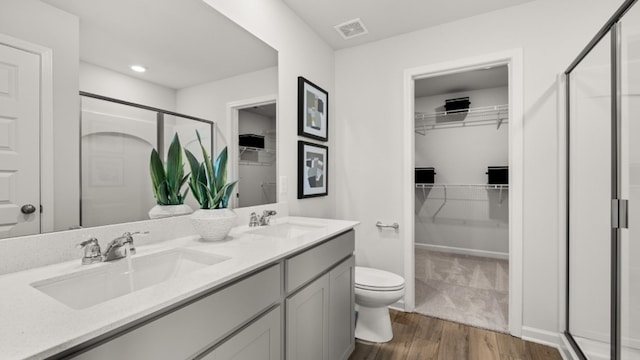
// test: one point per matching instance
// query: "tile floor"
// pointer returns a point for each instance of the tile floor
(466, 289)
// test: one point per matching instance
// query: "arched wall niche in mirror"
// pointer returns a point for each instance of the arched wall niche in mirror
(197, 62)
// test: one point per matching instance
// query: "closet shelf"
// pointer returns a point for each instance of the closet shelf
(254, 163)
(465, 186)
(243, 149)
(478, 116)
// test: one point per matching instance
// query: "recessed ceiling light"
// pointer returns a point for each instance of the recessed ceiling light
(138, 68)
(351, 28)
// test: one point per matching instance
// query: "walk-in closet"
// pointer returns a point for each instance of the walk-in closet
(462, 197)
(257, 155)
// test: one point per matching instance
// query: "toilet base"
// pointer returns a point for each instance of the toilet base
(374, 324)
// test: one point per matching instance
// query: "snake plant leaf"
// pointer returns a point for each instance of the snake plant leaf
(184, 194)
(221, 199)
(220, 169)
(228, 191)
(198, 182)
(208, 181)
(163, 197)
(208, 164)
(175, 169)
(156, 169)
(186, 191)
(167, 180)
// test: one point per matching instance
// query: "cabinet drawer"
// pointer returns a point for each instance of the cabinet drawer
(195, 327)
(302, 268)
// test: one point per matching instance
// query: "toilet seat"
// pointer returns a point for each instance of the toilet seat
(377, 280)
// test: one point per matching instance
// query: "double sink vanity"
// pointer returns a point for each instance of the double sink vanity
(285, 290)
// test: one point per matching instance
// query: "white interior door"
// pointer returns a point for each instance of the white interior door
(19, 142)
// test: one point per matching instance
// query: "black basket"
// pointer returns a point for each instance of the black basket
(498, 175)
(251, 140)
(425, 175)
(459, 105)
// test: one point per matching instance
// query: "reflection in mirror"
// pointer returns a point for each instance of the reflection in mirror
(117, 139)
(257, 160)
(197, 62)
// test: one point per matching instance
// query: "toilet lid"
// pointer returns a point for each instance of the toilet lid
(375, 279)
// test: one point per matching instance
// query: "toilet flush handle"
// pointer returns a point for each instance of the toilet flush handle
(395, 225)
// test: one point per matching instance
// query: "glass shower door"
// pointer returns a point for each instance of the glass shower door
(630, 184)
(590, 194)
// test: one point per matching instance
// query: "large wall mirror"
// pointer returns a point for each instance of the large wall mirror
(83, 161)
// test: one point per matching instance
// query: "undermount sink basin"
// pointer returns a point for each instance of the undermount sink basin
(108, 281)
(285, 230)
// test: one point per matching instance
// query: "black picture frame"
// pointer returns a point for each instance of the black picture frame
(313, 170)
(313, 110)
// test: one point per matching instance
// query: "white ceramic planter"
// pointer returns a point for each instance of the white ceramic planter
(213, 224)
(163, 211)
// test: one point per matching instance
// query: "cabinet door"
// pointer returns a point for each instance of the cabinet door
(308, 322)
(259, 341)
(341, 310)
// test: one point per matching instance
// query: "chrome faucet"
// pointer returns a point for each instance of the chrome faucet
(266, 217)
(253, 220)
(92, 252)
(263, 220)
(116, 247)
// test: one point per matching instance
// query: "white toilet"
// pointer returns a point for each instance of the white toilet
(375, 290)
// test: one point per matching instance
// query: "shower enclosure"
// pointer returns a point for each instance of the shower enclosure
(603, 192)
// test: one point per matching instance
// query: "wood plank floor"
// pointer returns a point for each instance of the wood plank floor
(419, 337)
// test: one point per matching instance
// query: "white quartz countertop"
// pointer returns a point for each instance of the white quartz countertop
(36, 326)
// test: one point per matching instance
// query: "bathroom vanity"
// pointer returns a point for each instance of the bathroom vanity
(284, 290)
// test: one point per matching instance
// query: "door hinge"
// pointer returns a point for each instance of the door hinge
(620, 214)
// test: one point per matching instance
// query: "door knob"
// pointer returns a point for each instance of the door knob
(28, 209)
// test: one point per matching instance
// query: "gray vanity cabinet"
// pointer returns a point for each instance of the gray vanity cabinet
(320, 310)
(259, 341)
(310, 294)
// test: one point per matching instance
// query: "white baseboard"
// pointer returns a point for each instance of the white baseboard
(398, 305)
(463, 251)
(543, 337)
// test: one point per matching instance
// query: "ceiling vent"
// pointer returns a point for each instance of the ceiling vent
(351, 29)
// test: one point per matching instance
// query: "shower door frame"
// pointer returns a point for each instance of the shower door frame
(618, 206)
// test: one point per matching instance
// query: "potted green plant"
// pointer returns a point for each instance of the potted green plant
(167, 181)
(210, 188)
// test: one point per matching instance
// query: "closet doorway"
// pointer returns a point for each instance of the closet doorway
(462, 197)
(464, 256)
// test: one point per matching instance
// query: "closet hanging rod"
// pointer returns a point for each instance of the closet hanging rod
(445, 187)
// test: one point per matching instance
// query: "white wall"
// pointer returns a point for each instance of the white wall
(105, 82)
(300, 53)
(41, 24)
(209, 100)
(257, 169)
(473, 218)
(369, 93)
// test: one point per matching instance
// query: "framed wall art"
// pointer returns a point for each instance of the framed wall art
(313, 110)
(313, 161)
